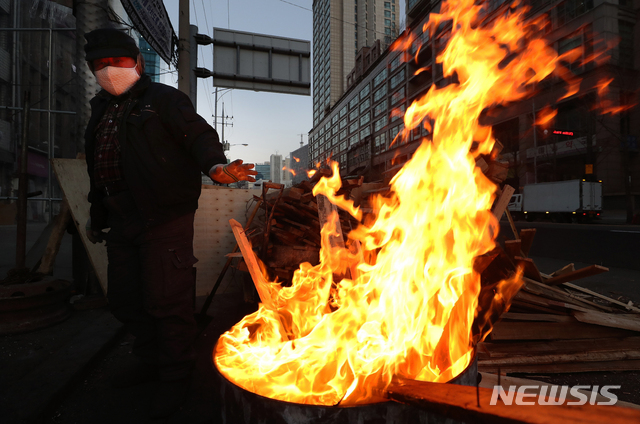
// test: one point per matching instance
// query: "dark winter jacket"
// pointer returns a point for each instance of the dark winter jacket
(164, 146)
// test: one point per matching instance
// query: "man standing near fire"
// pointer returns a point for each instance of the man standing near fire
(146, 148)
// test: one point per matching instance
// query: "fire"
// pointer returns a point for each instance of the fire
(400, 298)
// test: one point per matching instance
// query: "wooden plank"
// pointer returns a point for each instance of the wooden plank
(514, 316)
(512, 248)
(562, 296)
(472, 404)
(564, 270)
(512, 224)
(529, 267)
(532, 299)
(562, 358)
(482, 164)
(511, 330)
(577, 274)
(624, 321)
(501, 350)
(498, 171)
(252, 263)
(523, 306)
(527, 235)
(601, 296)
(74, 182)
(627, 365)
(501, 204)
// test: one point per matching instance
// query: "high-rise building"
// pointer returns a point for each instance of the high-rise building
(341, 28)
(263, 170)
(276, 169)
(300, 163)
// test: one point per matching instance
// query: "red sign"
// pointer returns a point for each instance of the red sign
(563, 132)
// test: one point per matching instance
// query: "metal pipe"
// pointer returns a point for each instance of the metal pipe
(49, 138)
(21, 237)
(55, 199)
(65, 112)
(37, 29)
(535, 144)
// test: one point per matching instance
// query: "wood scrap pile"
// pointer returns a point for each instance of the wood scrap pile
(554, 326)
(286, 229)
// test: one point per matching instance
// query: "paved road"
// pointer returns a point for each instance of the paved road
(607, 245)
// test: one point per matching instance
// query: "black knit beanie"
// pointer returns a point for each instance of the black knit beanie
(109, 42)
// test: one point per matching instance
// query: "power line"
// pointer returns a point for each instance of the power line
(296, 5)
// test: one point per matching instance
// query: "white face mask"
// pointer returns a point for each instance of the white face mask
(117, 80)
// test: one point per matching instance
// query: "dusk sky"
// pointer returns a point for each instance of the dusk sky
(268, 122)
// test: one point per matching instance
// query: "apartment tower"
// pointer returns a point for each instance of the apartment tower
(340, 29)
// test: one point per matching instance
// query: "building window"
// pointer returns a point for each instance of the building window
(380, 124)
(365, 105)
(569, 43)
(626, 44)
(398, 113)
(353, 115)
(343, 111)
(365, 119)
(397, 96)
(397, 79)
(365, 92)
(395, 63)
(570, 9)
(366, 132)
(380, 78)
(380, 93)
(343, 123)
(387, 14)
(353, 127)
(380, 143)
(353, 103)
(380, 108)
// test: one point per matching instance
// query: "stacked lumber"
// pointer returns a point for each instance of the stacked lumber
(555, 326)
(286, 229)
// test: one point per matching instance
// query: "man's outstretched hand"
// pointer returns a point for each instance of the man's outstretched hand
(233, 172)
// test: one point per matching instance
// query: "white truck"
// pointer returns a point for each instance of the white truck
(562, 201)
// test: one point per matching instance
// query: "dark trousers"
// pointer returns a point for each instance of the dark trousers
(151, 285)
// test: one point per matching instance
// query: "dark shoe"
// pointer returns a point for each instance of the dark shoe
(135, 374)
(169, 397)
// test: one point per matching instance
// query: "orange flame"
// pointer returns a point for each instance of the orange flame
(545, 116)
(296, 159)
(408, 295)
(603, 86)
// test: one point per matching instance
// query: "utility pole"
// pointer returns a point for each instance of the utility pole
(224, 124)
(184, 49)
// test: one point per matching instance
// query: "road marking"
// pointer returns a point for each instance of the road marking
(624, 231)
